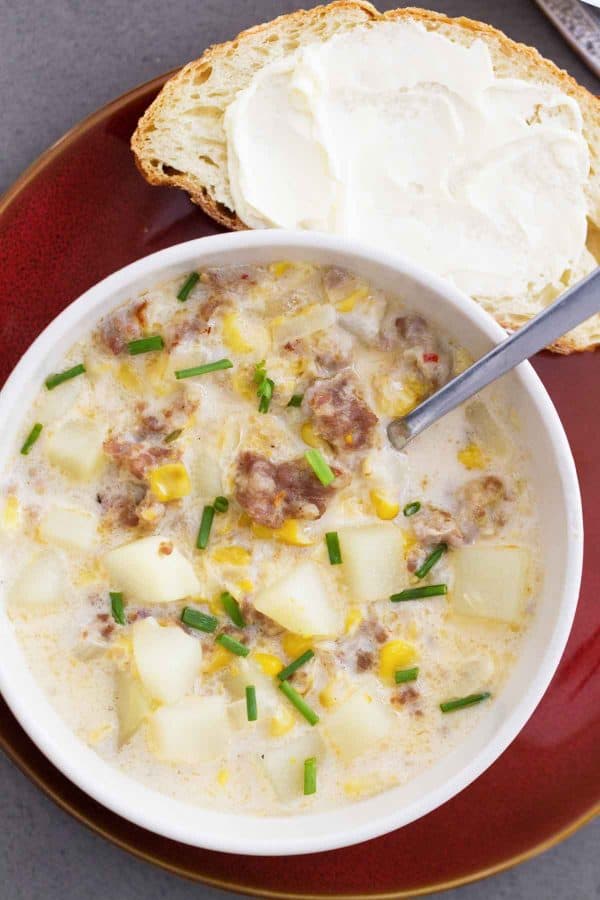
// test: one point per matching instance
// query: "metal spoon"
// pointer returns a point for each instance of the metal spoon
(573, 307)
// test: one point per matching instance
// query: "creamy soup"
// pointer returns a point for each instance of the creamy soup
(222, 575)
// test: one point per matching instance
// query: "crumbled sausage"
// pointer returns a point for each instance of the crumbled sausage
(340, 415)
(137, 457)
(273, 492)
(407, 694)
(364, 661)
(120, 503)
(432, 525)
(117, 330)
(483, 505)
(156, 422)
(422, 352)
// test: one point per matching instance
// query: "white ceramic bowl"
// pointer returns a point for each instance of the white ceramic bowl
(554, 480)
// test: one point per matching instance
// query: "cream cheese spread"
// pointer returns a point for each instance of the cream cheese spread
(398, 136)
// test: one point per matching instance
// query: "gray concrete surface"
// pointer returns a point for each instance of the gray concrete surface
(59, 61)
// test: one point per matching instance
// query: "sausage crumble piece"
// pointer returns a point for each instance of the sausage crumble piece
(340, 414)
(124, 326)
(273, 492)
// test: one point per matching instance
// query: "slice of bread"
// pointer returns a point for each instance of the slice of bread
(181, 140)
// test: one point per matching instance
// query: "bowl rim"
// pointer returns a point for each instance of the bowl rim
(133, 809)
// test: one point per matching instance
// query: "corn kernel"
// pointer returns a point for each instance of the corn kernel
(170, 482)
(395, 655)
(89, 574)
(472, 457)
(242, 384)
(11, 514)
(331, 694)
(215, 605)
(232, 335)
(220, 658)
(409, 540)
(223, 777)
(282, 722)
(310, 437)
(127, 376)
(245, 585)
(353, 618)
(290, 532)
(156, 366)
(295, 644)
(277, 269)
(98, 734)
(349, 302)
(235, 556)
(269, 663)
(384, 507)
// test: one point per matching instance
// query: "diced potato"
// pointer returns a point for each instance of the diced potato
(244, 672)
(151, 570)
(132, 704)
(373, 561)
(167, 659)
(70, 528)
(195, 730)
(302, 602)
(357, 725)
(41, 585)
(76, 448)
(316, 317)
(206, 476)
(52, 405)
(490, 582)
(284, 766)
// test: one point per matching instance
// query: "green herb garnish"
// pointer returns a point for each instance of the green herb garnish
(310, 775)
(251, 705)
(462, 702)
(265, 387)
(145, 345)
(321, 469)
(53, 381)
(208, 514)
(204, 370)
(194, 618)
(295, 665)
(404, 675)
(173, 436)
(117, 608)
(221, 504)
(190, 282)
(232, 645)
(411, 508)
(31, 438)
(418, 593)
(232, 608)
(296, 400)
(435, 555)
(333, 548)
(294, 697)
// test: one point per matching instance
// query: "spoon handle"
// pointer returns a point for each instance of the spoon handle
(573, 307)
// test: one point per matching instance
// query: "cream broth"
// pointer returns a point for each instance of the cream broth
(171, 541)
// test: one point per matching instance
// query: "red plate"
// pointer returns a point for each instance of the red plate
(82, 211)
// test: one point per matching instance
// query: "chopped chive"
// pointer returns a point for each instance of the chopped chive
(260, 371)
(251, 705)
(404, 675)
(199, 620)
(310, 775)
(232, 608)
(53, 381)
(190, 282)
(265, 393)
(295, 665)
(315, 460)
(232, 645)
(294, 697)
(221, 504)
(31, 438)
(145, 345)
(117, 608)
(296, 400)
(418, 593)
(208, 514)
(435, 555)
(204, 370)
(173, 436)
(333, 548)
(411, 508)
(461, 702)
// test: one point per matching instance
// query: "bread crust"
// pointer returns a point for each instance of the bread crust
(497, 41)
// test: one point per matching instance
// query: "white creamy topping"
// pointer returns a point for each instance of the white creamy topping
(398, 136)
